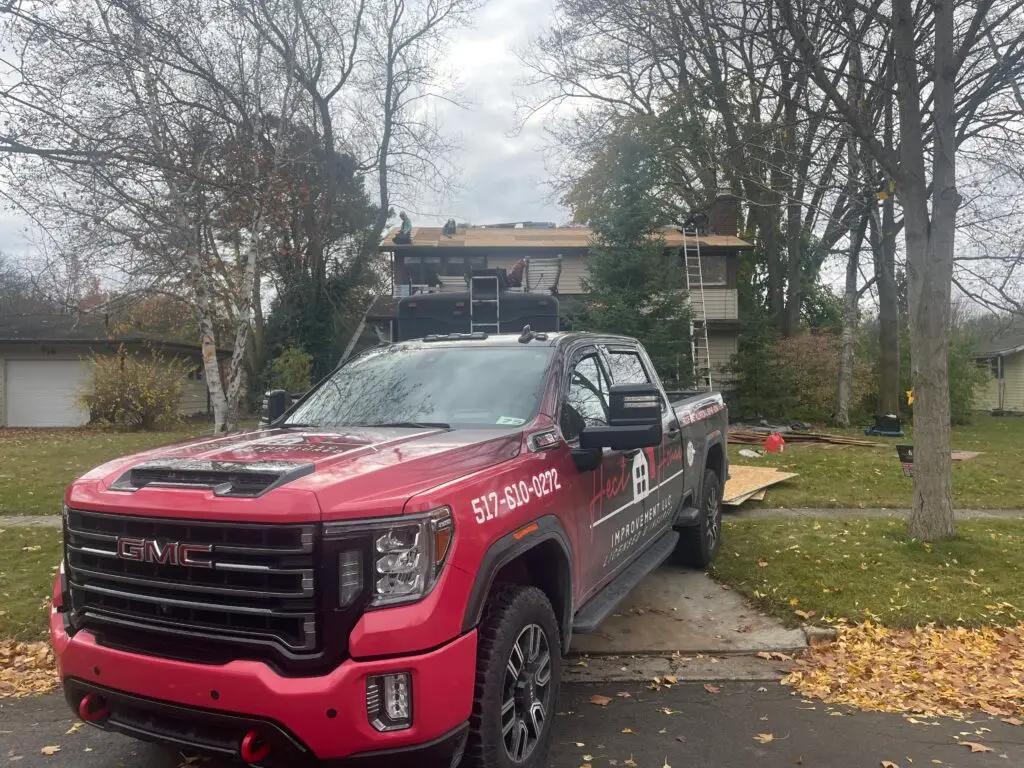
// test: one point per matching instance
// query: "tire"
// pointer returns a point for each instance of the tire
(518, 648)
(698, 545)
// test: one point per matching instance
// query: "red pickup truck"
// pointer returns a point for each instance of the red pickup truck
(392, 570)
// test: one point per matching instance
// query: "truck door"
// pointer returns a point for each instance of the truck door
(666, 462)
(611, 497)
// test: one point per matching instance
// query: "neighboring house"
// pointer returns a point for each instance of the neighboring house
(44, 367)
(1005, 390)
(557, 262)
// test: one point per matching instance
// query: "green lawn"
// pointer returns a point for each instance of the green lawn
(859, 477)
(36, 465)
(866, 568)
(28, 559)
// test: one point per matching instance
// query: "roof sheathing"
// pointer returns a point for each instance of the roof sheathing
(554, 238)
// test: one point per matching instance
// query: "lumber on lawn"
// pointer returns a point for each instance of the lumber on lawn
(746, 482)
(750, 437)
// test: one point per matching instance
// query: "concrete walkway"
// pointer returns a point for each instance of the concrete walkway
(30, 521)
(731, 513)
(742, 513)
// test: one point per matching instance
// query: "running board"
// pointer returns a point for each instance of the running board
(601, 605)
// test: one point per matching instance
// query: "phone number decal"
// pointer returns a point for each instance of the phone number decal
(516, 495)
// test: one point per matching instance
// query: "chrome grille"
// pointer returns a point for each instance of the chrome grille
(260, 589)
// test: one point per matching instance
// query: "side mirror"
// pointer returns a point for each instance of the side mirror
(275, 403)
(634, 420)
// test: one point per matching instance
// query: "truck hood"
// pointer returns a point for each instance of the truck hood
(283, 474)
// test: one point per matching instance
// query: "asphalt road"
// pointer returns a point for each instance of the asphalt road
(702, 729)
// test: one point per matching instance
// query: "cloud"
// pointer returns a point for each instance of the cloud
(503, 176)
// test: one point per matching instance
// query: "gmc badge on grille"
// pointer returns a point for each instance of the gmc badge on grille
(168, 553)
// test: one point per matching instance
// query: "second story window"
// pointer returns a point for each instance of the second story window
(713, 270)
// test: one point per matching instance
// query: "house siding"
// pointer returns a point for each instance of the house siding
(1006, 393)
(722, 346)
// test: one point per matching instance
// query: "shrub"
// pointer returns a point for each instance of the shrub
(792, 378)
(135, 392)
(964, 376)
(291, 370)
(760, 387)
(811, 361)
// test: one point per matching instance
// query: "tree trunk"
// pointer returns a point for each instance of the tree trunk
(851, 299)
(794, 268)
(929, 246)
(884, 254)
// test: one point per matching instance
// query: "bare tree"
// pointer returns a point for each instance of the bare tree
(955, 65)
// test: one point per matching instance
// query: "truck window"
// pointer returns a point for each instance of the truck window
(464, 386)
(626, 368)
(586, 403)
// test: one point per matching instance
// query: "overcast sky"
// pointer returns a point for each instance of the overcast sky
(502, 176)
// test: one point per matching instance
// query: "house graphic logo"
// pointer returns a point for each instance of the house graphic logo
(641, 476)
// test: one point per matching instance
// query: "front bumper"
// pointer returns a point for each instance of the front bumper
(210, 708)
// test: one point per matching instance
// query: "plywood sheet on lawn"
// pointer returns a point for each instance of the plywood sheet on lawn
(746, 481)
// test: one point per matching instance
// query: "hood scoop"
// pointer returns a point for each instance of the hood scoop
(226, 478)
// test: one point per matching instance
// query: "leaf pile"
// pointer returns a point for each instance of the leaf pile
(932, 671)
(26, 669)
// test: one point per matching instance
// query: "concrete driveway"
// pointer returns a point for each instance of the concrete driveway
(681, 610)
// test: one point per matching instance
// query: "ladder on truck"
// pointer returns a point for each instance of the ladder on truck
(484, 304)
(699, 348)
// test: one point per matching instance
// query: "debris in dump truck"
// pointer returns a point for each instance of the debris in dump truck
(746, 482)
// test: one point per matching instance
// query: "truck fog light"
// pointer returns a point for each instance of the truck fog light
(389, 701)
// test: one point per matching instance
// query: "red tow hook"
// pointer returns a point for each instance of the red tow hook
(93, 708)
(254, 748)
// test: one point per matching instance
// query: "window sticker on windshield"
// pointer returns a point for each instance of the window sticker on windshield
(511, 421)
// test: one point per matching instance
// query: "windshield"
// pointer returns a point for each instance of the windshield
(462, 386)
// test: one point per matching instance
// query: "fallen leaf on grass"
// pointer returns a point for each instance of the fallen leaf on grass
(711, 688)
(762, 563)
(670, 679)
(623, 695)
(588, 758)
(1012, 721)
(889, 764)
(975, 746)
(630, 762)
(26, 669)
(765, 738)
(627, 730)
(579, 744)
(48, 751)
(764, 655)
(74, 729)
(804, 614)
(928, 671)
(601, 701)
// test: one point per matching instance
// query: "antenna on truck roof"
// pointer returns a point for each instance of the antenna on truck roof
(527, 336)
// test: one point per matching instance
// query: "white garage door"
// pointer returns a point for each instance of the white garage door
(44, 393)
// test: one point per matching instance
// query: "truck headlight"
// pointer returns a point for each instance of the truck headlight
(406, 556)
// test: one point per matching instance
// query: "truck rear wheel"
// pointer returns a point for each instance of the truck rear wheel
(518, 669)
(698, 545)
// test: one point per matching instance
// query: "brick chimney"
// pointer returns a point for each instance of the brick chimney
(724, 215)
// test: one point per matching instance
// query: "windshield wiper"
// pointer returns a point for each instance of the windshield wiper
(410, 424)
(297, 425)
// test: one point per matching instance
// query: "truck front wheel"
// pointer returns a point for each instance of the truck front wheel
(518, 669)
(698, 546)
